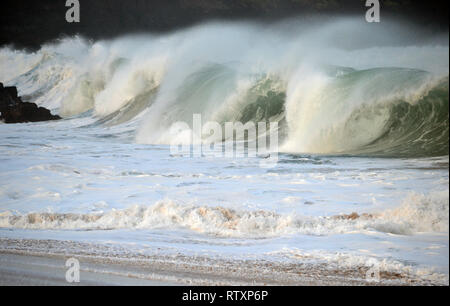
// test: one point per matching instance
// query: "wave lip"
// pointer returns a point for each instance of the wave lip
(392, 112)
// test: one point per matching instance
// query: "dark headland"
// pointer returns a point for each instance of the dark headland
(29, 24)
(14, 110)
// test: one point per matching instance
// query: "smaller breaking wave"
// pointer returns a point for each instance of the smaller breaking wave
(417, 213)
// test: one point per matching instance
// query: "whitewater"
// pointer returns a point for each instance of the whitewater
(362, 176)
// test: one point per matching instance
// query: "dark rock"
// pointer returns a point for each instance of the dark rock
(8, 96)
(13, 110)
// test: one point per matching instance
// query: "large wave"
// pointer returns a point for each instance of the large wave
(336, 87)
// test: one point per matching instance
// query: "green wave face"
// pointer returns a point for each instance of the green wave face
(415, 130)
(378, 112)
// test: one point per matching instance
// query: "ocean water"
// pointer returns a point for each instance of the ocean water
(362, 174)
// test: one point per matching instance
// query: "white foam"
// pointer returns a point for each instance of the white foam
(342, 261)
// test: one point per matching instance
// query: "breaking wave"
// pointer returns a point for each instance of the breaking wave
(330, 93)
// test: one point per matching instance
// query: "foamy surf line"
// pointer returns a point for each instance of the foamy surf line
(291, 268)
(417, 213)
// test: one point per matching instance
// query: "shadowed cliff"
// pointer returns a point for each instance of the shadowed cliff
(27, 23)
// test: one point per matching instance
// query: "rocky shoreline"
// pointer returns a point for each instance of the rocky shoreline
(14, 110)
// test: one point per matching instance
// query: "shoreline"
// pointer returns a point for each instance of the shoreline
(42, 262)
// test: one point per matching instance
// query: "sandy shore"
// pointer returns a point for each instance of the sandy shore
(29, 270)
(42, 262)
